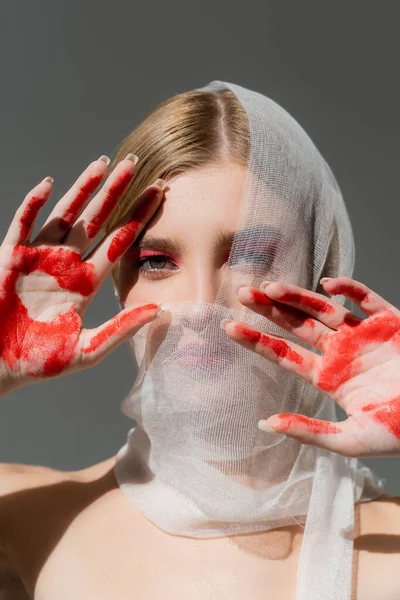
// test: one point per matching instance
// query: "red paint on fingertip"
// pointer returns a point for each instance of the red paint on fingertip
(120, 324)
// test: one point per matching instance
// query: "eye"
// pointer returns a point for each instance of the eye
(153, 266)
(261, 260)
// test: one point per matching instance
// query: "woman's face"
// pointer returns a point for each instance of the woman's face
(183, 253)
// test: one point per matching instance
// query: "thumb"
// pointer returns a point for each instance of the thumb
(99, 342)
(336, 437)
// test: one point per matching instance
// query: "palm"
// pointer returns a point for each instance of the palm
(360, 370)
(358, 365)
(46, 285)
(45, 294)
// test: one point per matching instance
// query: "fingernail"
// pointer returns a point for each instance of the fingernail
(235, 288)
(224, 322)
(132, 157)
(161, 183)
(264, 284)
(49, 179)
(325, 279)
(162, 311)
(262, 425)
(104, 158)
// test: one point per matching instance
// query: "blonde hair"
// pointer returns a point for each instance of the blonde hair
(186, 131)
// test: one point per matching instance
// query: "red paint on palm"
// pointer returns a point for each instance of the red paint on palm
(66, 266)
(113, 195)
(304, 300)
(41, 348)
(300, 422)
(387, 413)
(29, 214)
(84, 193)
(279, 347)
(120, 324)
(350, 342)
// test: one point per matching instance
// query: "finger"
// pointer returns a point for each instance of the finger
(97, 343)
(363, 296)
(24, 219)
(68, 208)
(306, 328)
(106, 254)
(97, 212)
(287, 355)
(337, 437)
(327, 311)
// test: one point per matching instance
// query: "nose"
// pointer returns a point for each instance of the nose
(204, 285)
(208, 283)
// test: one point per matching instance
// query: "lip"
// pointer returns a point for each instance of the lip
(199, 355)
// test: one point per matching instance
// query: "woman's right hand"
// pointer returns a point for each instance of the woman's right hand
(46, 286)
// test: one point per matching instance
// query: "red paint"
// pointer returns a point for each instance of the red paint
(314, 303)
(113, 195)
(301, 423)
(120, 324)
(45, 348)
(84, 193)
(126, 236)
(309, 323)
(350, 342)
(261, 298)
(349, 289)
(64, 265)
(279, 347)
(386, 413)
(29, 215)
(146, 207)
(122, 240)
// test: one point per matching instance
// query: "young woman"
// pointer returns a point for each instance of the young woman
(113, 530)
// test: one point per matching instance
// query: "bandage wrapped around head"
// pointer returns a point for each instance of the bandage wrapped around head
(196, 464)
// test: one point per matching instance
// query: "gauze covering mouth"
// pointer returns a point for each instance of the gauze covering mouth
(196, 463)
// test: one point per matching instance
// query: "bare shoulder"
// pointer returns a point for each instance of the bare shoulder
(15, 479)
(17, 482)
(381, 515)
(33, 489)
(15, 476)
(37, 505)
(378, 546)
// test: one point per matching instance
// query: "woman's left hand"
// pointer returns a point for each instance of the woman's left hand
(359, 368)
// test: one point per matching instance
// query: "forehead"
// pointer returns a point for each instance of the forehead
(217, 197)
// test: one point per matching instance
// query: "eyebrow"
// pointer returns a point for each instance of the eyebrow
(173, 245)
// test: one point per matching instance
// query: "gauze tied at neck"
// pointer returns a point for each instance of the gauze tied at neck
(196, 464)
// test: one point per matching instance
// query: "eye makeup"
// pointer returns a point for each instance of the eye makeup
(146, 260)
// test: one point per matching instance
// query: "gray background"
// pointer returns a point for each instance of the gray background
(76, 77)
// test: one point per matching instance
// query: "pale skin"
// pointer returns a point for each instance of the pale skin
(198, 207)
